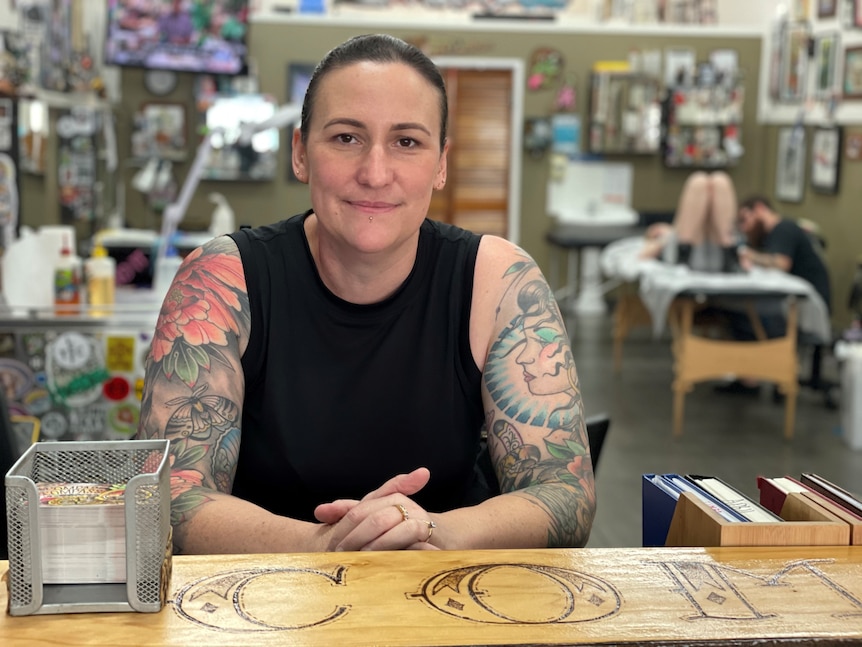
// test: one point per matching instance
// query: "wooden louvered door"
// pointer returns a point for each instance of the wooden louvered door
(476, 196)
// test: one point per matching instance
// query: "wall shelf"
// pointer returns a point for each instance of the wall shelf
(703, 126)
(625, 113)
(427, 19)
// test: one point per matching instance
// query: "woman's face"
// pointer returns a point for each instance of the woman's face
(543, 358)
(372, 157)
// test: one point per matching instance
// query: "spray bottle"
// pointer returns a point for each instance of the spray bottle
(222, 219)
(67, 280)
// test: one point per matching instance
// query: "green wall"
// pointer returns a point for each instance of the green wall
(275, 45)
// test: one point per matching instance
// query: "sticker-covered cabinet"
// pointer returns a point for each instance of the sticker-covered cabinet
(73, 378)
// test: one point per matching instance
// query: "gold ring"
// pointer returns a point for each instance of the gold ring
(431, 526)
(404, 514)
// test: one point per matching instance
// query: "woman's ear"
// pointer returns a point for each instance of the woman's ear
(440, 180)
(298, 157)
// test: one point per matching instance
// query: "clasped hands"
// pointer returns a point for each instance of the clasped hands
(385, 519)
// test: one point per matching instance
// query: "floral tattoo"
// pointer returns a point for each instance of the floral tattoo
(202, 317)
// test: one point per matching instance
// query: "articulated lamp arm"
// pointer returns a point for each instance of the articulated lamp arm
(176, 211)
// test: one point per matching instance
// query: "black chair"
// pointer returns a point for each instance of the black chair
(814, 379)
(806, 342)
(486, 485)
(597, 430)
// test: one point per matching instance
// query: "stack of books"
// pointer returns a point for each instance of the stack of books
(774, 492)
(662, 491)
(82, 528)
(694, 510)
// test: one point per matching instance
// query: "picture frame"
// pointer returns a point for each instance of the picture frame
(826, 47)
(851, 83)
(679, 65)
(793, 62)
(853, 146)
(800, 10)
(826, 159)
(160, 131)
(790, 166)
(846, 13)
(827, 8)
(6, 109)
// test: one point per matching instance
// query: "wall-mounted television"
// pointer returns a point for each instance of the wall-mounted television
(203, 36)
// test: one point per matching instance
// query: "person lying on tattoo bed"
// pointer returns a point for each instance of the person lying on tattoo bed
(326, 381)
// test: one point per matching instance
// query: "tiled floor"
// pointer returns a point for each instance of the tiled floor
(735, 437)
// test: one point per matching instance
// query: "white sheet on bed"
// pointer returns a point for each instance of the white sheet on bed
(660, 282)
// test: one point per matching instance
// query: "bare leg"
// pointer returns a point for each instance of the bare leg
(690, 220)
(721, 225)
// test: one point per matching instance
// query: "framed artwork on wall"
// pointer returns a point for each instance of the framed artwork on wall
(847, 13)
(800, 10)
(826, 46)
(790, 164)
(793, 65)
(827, 8)
(852, 83)
(826, 159)
(160, 131)
(853, 148)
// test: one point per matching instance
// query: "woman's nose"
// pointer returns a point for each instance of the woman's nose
(375, 168)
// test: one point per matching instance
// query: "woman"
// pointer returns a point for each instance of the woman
(325, 380)
(703, 234)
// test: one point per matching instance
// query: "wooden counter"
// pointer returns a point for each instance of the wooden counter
(643, 596)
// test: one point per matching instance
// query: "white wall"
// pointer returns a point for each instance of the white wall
(8, 16)
(747, 12)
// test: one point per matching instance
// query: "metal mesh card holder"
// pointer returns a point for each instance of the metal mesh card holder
(140, 469)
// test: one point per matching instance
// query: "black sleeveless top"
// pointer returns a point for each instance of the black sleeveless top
(341, 397)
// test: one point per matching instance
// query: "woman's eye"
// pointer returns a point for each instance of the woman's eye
(406, 142)
(345, 139)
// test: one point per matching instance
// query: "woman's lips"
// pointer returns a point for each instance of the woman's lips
(373, 206)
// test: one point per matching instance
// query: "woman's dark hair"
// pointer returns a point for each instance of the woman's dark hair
(377, 48)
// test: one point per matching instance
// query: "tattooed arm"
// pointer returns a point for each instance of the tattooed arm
(534, 412)
(193, 394)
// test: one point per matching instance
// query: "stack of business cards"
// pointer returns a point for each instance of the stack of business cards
(82, 528)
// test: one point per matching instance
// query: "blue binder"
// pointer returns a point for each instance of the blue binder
(658, 506)
(659, 498)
